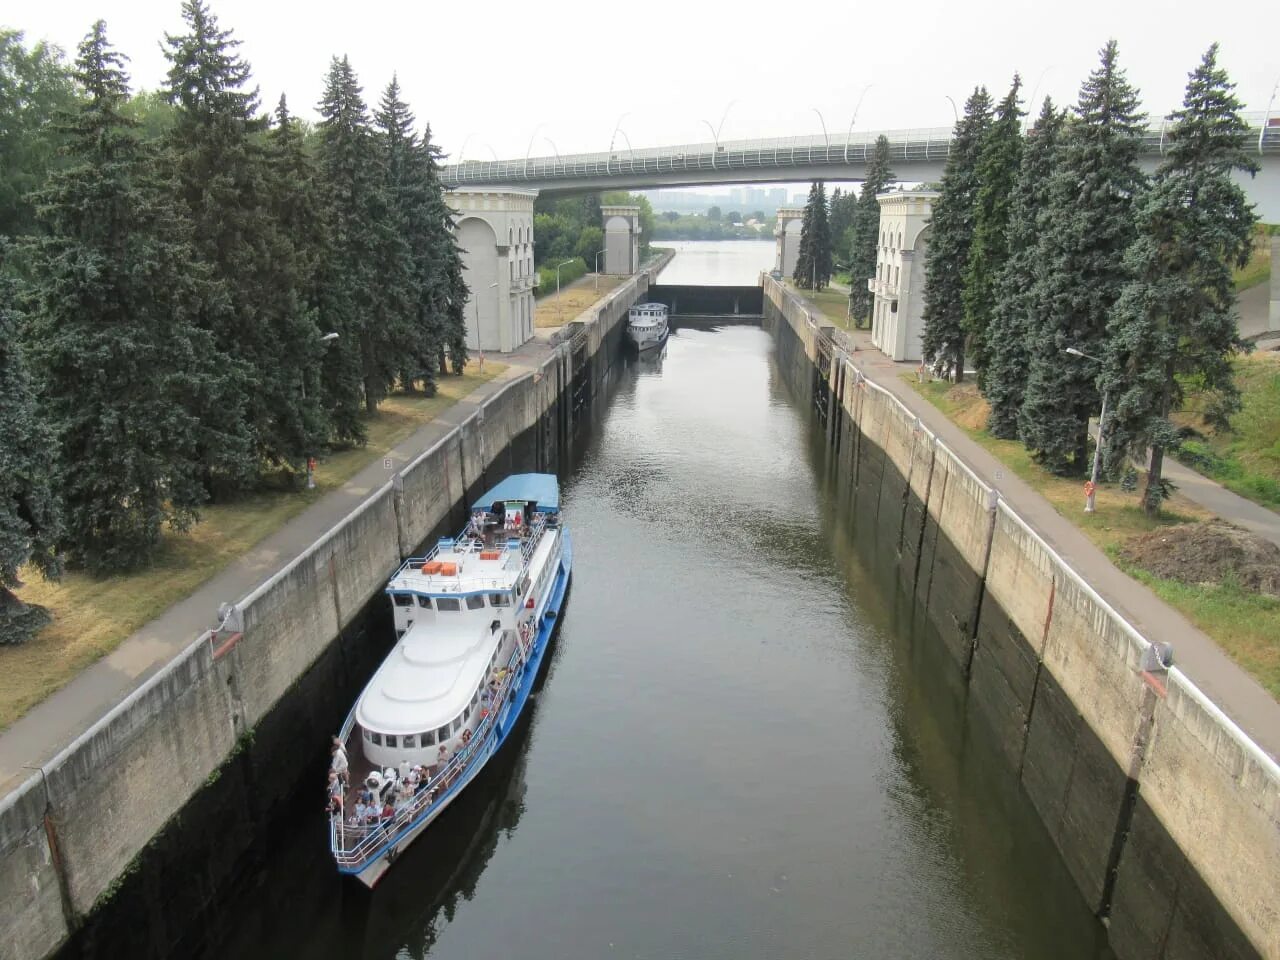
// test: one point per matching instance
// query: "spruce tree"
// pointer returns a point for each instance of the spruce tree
(1087, 228)
(447, 291)
(813, 260)
(407, 263)
(1175, 320)
(357, 371)
(256, 306)
(30, 516)
(1005, 378)
(998, 161)
(865, 227)
(143, 406)
(950, 239)
(297, 213)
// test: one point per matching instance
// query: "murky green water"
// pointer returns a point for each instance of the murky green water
(735, 753)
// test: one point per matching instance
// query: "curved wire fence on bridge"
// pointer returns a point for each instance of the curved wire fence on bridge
(929, 144)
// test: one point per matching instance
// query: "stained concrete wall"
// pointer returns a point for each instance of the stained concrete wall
(70, 835)
(1166, 815)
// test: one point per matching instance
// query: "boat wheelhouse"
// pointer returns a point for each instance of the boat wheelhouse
(647, 324)
(472, 619)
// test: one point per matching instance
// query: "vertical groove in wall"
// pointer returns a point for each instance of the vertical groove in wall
(924, 515)
(1137, 756)
(1035, 682)
(982, 584)
(70, 915)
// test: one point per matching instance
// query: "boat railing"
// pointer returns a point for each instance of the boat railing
(468, 544)
(353, 845)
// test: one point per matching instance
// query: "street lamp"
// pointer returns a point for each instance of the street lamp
(715, 131)
(824, 130)
(311, 461)
(1092, 487)
(612, 137)
(598, 256)
(852, 121)
(558, 266)
(524, 172)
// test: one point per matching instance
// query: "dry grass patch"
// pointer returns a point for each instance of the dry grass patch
(92, 616)
(832, 304)
(555, 310)
(1242, 621)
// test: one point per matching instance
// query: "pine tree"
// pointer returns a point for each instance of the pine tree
(143, 406)
(813, 259)
(997, 171)
(865, 227)
(950, 239)
(256, 308)
(352, 181)
(30, 516)
(1005, 379)
(1087, 228)
(1176, 317)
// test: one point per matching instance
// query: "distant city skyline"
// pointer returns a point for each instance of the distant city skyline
(743, 199)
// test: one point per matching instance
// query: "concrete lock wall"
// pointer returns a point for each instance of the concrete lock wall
(74, 831)
(1166, 815)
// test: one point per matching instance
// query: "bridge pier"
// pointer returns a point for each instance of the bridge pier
(621, 239)
(787, 232)
(494, 228)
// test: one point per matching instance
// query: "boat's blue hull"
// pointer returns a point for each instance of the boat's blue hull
(508, 715)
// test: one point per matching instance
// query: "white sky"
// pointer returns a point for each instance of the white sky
(496, 74)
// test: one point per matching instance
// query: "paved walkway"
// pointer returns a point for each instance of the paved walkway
(57, 720)
(1228, 685)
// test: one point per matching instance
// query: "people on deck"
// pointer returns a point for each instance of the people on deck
(338, 763)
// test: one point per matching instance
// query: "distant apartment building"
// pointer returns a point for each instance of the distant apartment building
(898, 286)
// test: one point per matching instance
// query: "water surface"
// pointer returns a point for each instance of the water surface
(721, 263)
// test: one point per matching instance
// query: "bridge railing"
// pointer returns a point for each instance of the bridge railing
(919, 145)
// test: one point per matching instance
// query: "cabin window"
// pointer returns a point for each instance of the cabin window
(457, 723)
(375, 739)
(448, 604)
(367, 734)
(427, 739)
(409, 741)
(391, 739)
(499, 599)
(403, 599)
(424, 602)
(442, 734)
(475, 602)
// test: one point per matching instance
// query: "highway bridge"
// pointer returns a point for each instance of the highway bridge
(915, 155)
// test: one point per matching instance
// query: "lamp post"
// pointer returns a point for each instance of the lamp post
(715, 131)
(524, 171)
(598, 256)
(1092, 487)
(852, 121)
(824, 131)
(558, 266)
(311, 460)
(612, 137)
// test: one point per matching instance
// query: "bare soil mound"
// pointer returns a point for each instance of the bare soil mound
(1209, 552)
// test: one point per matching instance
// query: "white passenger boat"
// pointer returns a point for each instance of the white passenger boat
(473, 620)
(647, 324)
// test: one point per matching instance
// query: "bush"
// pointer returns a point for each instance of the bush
(568, 273)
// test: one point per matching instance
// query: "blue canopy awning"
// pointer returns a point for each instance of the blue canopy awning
(542, 489)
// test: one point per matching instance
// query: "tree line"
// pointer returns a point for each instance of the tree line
(195, 296)
(1055, 240)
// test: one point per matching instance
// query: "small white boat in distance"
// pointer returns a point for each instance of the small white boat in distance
(647, 324)
(473, 619)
